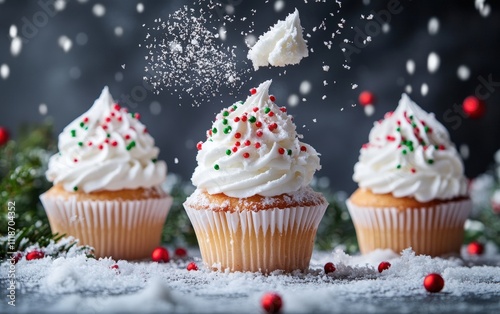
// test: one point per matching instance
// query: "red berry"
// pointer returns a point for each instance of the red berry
(4, 136)
(160, 254)
(433, 282)
(253, 91)
(271, 303)
(272, 98)
(475, 248)
(473, 107)
(383, 266)
(34, 255)
(366, 98)
(329, 268)
(180, 252)
(192, 266)
(16, 257)
(198, 146)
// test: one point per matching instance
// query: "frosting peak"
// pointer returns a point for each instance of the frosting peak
(254, 149)
(106, 148)
(410, 154)
(282, 45)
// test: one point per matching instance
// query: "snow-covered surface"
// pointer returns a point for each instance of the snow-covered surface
(78, 284)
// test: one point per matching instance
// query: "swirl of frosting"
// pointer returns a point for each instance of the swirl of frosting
(410, 154)
(106, 148)
(253, 149)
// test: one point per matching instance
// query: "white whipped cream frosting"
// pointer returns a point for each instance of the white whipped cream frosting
(282, 45)
(253, 149)
(106, 148)
(410, 154)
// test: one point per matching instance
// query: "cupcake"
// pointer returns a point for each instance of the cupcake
(107, 181)
(412, 190)
(253, 209)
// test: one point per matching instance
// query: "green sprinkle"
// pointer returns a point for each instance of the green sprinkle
(241, 102)
(411, 148)
(216, 167)
(73, 133)
(426, 129)
(131, 145)
(411, 117)
(398, 166)
(86, 128)
(228, 152)
(289, 152)
(75, 188)
(252, 119)
(267, 110)
(154, 160)
(214, 130)
(224, 121)
(436, 147)
(82, 124)
(108, 135)
(404, 152)
(225, 113)
(398, 129)
(227, 129)
(430, 161)
(414, 125)
(80, 143)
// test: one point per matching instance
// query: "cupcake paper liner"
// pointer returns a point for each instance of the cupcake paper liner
(121, 229)
(257, 241)
(434, 231)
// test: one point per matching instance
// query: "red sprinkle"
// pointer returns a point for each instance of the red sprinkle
(253, 91)
(105, 127)
(272, 98)
(198, 146)
(101, 147)
(257, 145)
(112, 114)
(391, 138)
(89, 143)
(237, 144)
(75, 160)
(271, 113)
(108, 119)
(362, 146)
(237, 119)
(127, 137)
(120, 118)
(255, 109)
(413, 170)
(258, 124)
(137, 116)
(273, 127)
(283, 109)
(281, 150)
(303, 148)
(235, 149)
(247, 143)
(237, 135)
(117, 107)
(114, 143)
(192, 267)
(259, 133)
(246, 155)
(85, 120)
(244, 118)
(145, 130)
(441, 147)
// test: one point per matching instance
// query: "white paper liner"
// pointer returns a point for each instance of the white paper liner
(264, 240)
(121, 229)
(434, 230)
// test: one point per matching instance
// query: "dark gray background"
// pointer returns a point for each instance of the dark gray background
(44, 73)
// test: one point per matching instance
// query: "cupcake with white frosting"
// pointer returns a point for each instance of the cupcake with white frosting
(107, 181)
(412, 189)
(253, 209)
